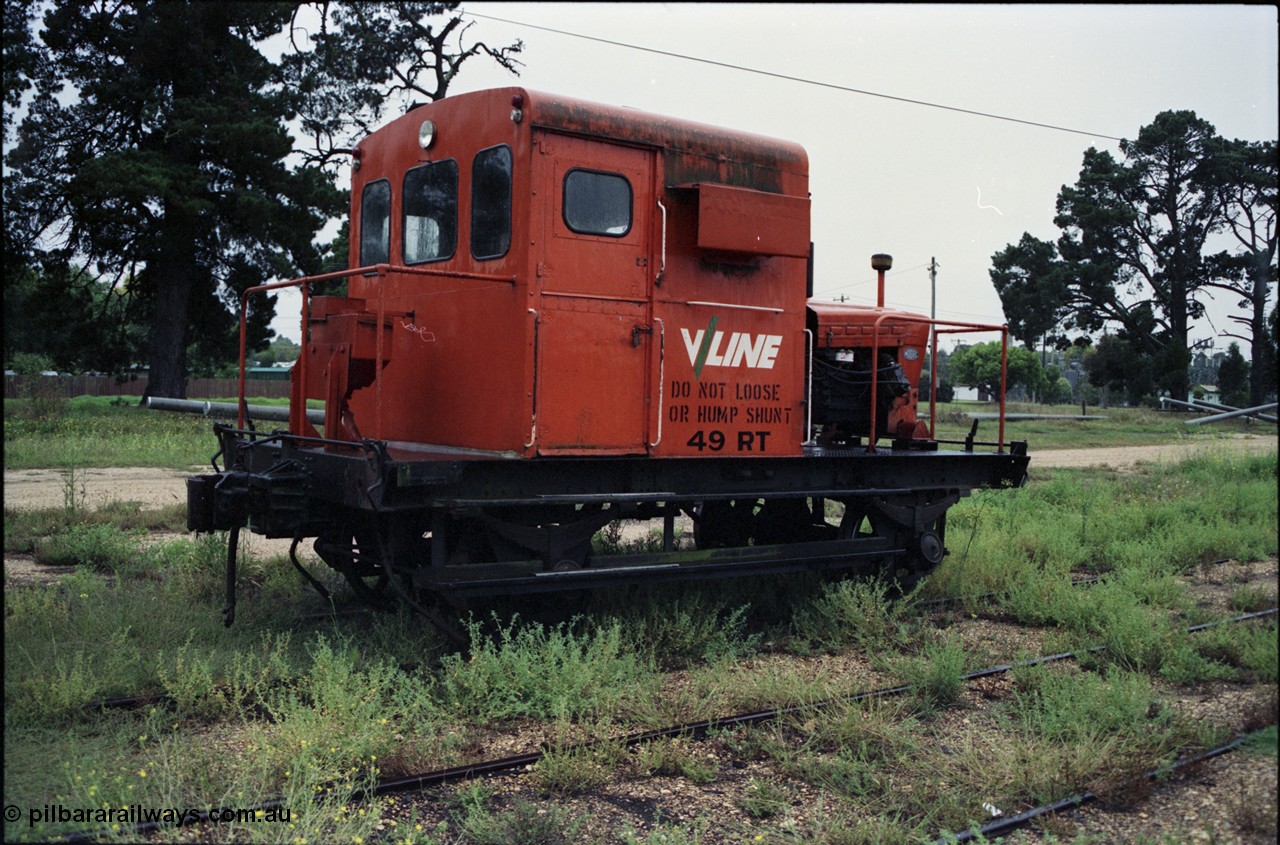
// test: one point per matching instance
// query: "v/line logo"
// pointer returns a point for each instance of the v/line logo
(707, 348)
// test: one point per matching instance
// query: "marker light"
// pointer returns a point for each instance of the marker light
(426, 134)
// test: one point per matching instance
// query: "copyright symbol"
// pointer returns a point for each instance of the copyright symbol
(12, 813)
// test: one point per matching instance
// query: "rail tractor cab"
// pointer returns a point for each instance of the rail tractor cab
(569, 279)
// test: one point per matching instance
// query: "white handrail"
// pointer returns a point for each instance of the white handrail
(662, 360)
(533, 429)
(662, 268)
(808, 402)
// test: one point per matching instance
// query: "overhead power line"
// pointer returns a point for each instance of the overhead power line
(799, 79)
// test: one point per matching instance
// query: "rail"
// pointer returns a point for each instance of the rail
(305, 283)
(954, 328)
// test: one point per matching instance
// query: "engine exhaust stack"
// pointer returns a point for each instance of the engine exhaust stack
(880, 262)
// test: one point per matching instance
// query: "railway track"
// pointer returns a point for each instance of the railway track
(700, 729)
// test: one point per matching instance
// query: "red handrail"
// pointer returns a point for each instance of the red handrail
(955, 328)
(305, 283)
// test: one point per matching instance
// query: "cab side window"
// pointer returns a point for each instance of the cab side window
(375, 223)
(430, 212)
(597, 203)
(491, 203)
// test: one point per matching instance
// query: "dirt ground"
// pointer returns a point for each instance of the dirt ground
(154, 488)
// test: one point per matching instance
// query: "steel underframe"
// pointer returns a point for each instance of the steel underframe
(326, 478)
(363, 476)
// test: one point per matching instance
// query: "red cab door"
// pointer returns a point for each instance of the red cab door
(595, 332)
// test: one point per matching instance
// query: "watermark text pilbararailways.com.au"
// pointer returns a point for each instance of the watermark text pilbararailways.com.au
(134, 814)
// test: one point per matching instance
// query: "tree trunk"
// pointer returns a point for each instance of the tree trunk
(1180, 386)
(1259, 271)
(168, 354)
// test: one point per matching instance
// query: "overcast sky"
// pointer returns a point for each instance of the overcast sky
(890, 176)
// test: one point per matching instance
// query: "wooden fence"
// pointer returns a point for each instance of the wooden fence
(197, 388)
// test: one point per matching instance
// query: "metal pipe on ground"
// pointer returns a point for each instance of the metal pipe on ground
(277, 413)
(1255, 411)
(1202, 405)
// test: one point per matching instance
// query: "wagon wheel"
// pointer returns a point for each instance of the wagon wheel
(855, 516)
(861, 521)
(356, 554)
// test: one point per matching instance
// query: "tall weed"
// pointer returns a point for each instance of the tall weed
(935, 675)
(543, 672)
(688, 628)
(861, 613)
(99, 546)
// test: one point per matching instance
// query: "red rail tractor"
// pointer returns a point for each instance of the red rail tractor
(560, 314)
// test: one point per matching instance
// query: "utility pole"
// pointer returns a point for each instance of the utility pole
(933, 315)
(933, 288)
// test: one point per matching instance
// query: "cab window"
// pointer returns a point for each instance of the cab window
(491, 203)
(375, 223)
(430, 212)
(597, 203)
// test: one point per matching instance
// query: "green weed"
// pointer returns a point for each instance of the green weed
(524, 824)
(692, 833)
(578, 769)
(873, 730)
(765, 798)
(92, 432)
(543, 672)
(674, 757)
(23, 529)
(687, 628)
(1250, 650)
(839, 826)
(1081, 728)
(1262, 742)
(99, 546)
(1252, 598)
(344, 714)
(860, 613)
(935, 676)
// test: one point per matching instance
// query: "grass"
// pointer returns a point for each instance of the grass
(312, 710)
(1163, 520)
(104, 431)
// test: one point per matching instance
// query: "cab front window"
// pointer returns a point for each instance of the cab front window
(430, 212)
(375, 223)
(491, 203)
